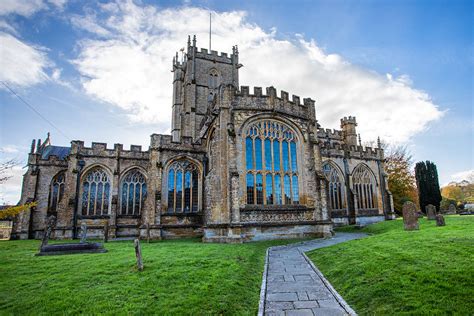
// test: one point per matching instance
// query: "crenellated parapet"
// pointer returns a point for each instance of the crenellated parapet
(334, 149)
(101, 150)
(270, 100)
(332, 134)
(165, 142)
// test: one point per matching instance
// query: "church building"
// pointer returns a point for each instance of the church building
(239, 165)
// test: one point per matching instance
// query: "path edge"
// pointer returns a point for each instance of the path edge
(263, 287)
(338, 297)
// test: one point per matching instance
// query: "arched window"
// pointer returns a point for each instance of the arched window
(364, 186)
(271, 161)
(183, 187)
(133, 193)
(213, 79)
(336, 187)
(95, 193)
(56, 192)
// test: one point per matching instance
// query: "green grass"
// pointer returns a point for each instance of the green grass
(393, 272)
(180, 277)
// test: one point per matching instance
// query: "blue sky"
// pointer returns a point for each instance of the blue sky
(101, 72)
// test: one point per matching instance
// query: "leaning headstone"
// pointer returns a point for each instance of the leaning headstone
(440, 220)
(83, 232)
(410, 216)
(138, 254)
(106, 231)
(47, 231)
(431, 212)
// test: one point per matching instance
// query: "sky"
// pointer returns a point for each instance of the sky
(100, 70)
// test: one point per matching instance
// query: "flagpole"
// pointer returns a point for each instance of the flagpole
(209, 32)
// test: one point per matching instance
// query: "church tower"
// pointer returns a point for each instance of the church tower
(197, 78)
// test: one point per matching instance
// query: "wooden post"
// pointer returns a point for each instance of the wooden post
(138, 254)
(106, 231)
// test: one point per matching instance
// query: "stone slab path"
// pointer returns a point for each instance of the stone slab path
(292, 285)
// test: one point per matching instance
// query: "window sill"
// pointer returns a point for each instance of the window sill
(182, 214)
(93, 216)
(272, 208)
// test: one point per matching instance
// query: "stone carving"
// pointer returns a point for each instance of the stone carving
(265, 216)
(431, 212)
(410, 216)
(47, 231)
(83, 232)
(440, 220)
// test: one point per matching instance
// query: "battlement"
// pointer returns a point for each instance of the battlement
(330, 149)
(329, 133)
(271, 92)
(100, 149)
(161, 141)
(348, 120)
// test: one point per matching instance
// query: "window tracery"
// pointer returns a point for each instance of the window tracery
(133, 193)
(336, 187)
(364, 186)
(96, 193)
(272, 164)
(56, 191)
(183, 187)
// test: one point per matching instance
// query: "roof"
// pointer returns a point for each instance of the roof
(61, 152)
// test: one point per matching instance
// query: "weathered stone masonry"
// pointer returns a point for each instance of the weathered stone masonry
(238, 166)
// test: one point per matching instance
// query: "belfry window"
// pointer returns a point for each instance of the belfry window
(96, 193)
(56, 192)
(133, 193)
(213, 79)
(364, 186)
(336, 187)
(271, 161)
(183, 187)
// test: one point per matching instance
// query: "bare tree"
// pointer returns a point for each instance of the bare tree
(5, 167)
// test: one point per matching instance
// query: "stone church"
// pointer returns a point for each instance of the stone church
(239, 165)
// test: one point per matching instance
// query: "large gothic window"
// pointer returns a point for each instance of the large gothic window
(96, 192)
(56, 192)
(183, 187)
(272, 164)
(364, 186)
(336, 187)
(133, 193)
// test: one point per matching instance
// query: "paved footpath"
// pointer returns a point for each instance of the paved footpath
(292, 285)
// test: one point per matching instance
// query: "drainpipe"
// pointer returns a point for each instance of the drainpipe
(80, 165)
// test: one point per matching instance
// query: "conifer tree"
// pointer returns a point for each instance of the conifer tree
(428, 185)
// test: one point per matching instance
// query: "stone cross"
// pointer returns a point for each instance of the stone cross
(106, 231)
(440, 220)
(138, 254)
(47, 231)
(430, 211)
(410, 216)
(83, 232)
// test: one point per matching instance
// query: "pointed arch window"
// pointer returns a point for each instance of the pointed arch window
(184, 181)
(365, 188)
(213, 79)
(271, 162)
(96, 193)
(336, 188)
(133, 193)
(56, 191)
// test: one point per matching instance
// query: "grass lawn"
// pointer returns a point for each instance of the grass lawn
(392, 272)
(180, 277)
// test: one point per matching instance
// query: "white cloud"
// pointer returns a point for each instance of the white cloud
(127, 63)
(11, 189)
(463, 175)
(21, 64)
(20, 7)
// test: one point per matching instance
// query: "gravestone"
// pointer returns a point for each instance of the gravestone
(431, 212)
(410, 216)
(106, 231)
(47, 231)
(83, 233)
(138, 254)
(440, 220)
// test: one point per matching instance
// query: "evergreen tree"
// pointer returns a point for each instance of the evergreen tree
(428, 185)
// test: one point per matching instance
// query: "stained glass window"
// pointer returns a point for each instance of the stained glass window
(96, 193)
(56, 191)
(134, 191)
(336, 187)
(364, 187)
(183, 187)
(271, 154)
